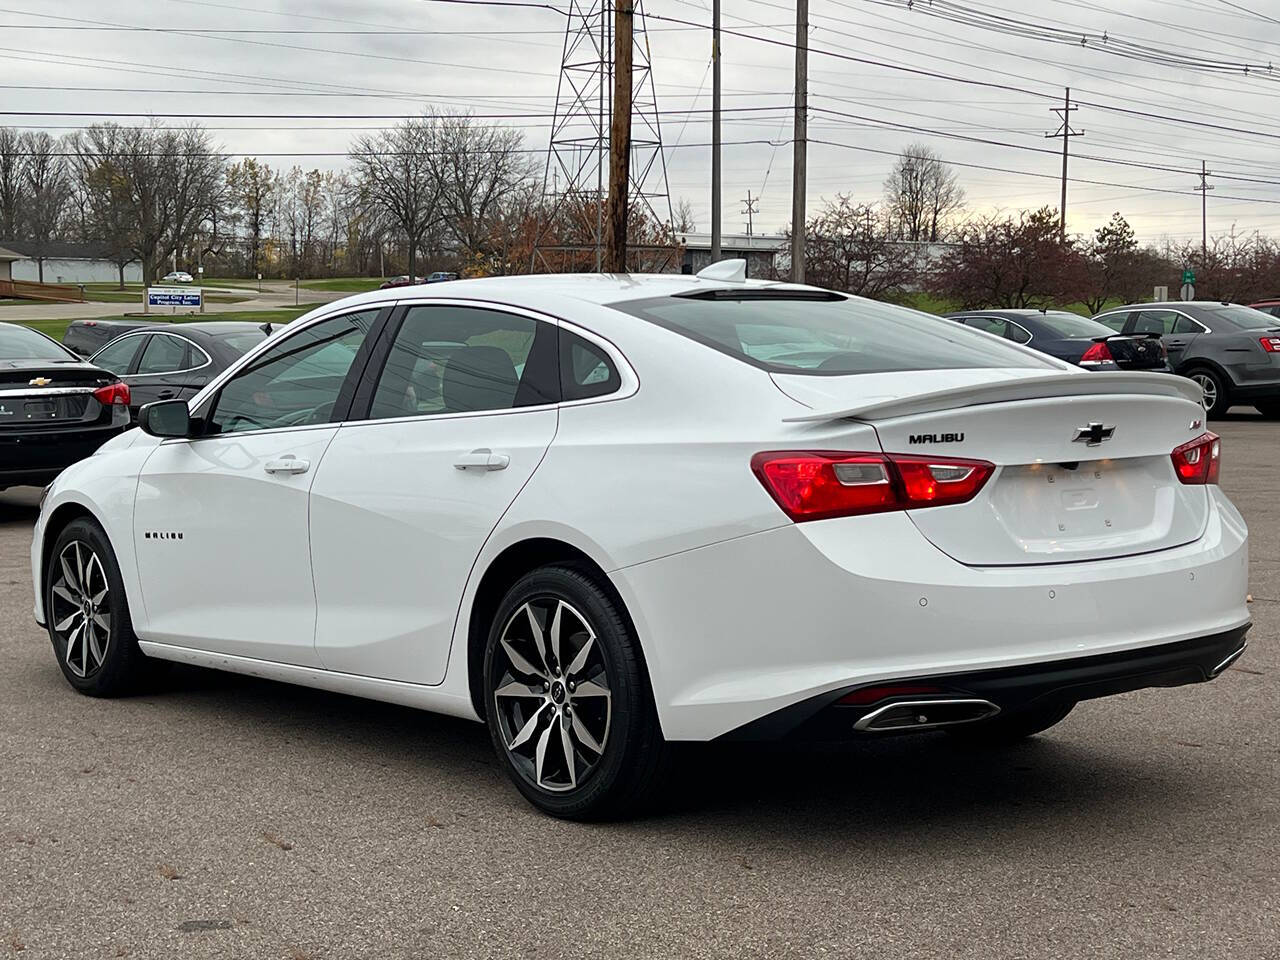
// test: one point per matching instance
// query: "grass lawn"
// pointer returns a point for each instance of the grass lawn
(56, 328)
(344, 284)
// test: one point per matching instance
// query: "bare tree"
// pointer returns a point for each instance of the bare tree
(106, 205)
(849, 247)
(48, 190)
(12, 171)
(398, 171)
(922, 193)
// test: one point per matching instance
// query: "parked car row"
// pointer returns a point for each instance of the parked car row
(440, 276)
(1231, 351)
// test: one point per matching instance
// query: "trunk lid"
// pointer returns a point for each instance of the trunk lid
(49, 392)
(1137, 351)
(1064, 490)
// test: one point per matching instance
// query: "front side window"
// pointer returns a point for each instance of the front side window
(116, 356)
(294, 383)
(451, 359)
(825, 334)
(163, 354)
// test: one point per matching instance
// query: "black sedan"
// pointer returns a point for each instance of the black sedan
(55, 408)
(1070, 337)
(173, 361)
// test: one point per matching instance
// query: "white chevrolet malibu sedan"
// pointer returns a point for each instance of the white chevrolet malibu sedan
(605, 513)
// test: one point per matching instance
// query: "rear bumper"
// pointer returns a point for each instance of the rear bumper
(1063, 681)
(743, 629)
(35, 458)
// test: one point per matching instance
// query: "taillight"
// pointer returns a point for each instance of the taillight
(1097, 354)
(1270, 344)
(816, 484)
(116, 394)
(1199, 461)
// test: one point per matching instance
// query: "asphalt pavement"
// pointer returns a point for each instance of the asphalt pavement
(228, 817)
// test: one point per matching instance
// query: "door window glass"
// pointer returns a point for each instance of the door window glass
(1185, 325)
(117, 355)
(585, 369)
(297, 381)
(448, 359)
(163, 354)
(1115, 321)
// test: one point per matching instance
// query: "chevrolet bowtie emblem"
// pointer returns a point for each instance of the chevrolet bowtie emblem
(1093, 434)
(40, 382)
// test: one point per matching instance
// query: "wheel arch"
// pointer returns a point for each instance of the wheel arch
(508, 566)
(1188, 367)
(60, 518)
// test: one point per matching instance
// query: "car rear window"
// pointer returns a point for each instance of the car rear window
(19, 343)
(1246, 318)
(1068, 325)
(825, 334)
(242, 343)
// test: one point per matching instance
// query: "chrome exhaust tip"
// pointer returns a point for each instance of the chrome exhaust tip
(924, 715)
(1228, 661)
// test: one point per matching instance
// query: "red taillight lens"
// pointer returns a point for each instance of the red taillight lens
(1199, 461)
(1098, 353)
(1270, 344)
(815, 484)
(116, 394)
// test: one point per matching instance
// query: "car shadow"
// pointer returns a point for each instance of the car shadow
(890, 788)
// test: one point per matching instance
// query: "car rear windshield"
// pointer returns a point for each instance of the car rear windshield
(825, 335)
(1068, 325)
(1246, 318)
(242, 343)
(19, 343)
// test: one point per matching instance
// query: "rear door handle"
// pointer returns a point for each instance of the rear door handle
(1176, 343)
(482, 459)
(290, 465)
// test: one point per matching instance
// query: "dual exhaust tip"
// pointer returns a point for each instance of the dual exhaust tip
(925, 714)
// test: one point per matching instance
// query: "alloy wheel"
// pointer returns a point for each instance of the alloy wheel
(551, 694)
(80, 601)
(1210, 388)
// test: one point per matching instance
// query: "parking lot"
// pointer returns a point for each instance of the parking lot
(230, 817)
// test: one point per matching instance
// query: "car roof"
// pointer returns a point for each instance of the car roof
(1174, 305)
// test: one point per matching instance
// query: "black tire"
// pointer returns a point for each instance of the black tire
(559, 714)
(1269, 411)
(122, 667)
(1216, 388)
(1011, 726)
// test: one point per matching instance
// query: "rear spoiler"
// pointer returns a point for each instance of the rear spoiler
(1029, 388)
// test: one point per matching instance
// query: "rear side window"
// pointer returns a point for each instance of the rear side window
(163, 354)
(585, 369)
(825, 334)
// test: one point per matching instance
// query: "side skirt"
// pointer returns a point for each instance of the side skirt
(415, 695)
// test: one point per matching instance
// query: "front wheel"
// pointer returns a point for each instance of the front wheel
(88, 616)
(1217, 393)
(567, 698)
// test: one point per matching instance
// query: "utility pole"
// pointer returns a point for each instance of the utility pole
(615, 253)
(800, 139)
(715, 131)
(749, 209)
(1204, 189)
(1066, 133)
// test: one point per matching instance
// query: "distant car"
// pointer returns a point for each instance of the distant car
(86, 337)
(1232, 351)
(440, 276)
(55, 408)
(168, 361)
(177, 276)
(403, 281)
(1268, 306)
(1070, 337)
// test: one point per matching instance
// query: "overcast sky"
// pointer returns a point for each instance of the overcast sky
(424, 54)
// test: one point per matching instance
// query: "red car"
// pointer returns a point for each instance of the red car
(399, 282)
(1268, 306)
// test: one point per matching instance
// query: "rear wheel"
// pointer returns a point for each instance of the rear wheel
(1217, 392)
(88, 616)
(1011, 726)
(568, 701)
(1270, 411)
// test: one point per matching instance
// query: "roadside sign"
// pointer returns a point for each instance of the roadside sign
(1161, 295)
(175, 297)
(1188, 291)
(1189, 276)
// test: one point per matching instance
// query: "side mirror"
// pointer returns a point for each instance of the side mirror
(165, 418)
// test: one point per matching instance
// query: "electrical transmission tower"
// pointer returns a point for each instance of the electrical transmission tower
(571, 221)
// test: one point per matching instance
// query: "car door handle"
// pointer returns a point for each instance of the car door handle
(291, 465)
(482, 459)
(167, 394)
(1176, 343)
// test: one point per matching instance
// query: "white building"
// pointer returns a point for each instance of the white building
(64, 262)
